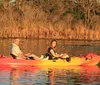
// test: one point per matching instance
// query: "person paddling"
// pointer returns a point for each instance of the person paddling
(16, 52)
(53, 54)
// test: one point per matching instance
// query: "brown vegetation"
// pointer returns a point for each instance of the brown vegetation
(60, 19)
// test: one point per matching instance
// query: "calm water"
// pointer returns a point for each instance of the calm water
(38, 47)
(51, 76)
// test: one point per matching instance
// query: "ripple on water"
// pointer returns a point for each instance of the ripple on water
(50, 76)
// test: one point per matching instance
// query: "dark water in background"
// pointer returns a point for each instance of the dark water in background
(51, 76)
(38, 47)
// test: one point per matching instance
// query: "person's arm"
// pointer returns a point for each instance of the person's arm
(21, 55)
(55, 54)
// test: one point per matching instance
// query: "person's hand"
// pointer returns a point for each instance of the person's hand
(61, 54)
(28, 53)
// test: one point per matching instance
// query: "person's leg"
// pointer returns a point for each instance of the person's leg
(65, 56)
(12, 55)
(34, 56)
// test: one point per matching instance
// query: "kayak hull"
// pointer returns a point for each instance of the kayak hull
(48, 63)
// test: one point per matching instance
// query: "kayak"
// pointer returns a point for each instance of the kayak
(77, 61)
(18, 62)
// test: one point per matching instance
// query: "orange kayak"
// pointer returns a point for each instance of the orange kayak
(74, 61)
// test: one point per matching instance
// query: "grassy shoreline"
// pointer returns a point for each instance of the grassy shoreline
(46, 34)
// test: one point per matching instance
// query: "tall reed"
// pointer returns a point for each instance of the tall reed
(49, 19)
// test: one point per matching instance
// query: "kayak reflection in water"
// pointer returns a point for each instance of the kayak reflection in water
(16, 52)
(53, 55)
(51, 76)
(15, 74)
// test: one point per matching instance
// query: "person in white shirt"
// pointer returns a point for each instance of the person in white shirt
(16, 52)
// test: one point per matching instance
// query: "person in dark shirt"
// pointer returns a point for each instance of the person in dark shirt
(53, 54)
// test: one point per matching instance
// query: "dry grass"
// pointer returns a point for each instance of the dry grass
(47, 19)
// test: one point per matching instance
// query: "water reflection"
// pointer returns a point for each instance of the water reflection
(51, 76)
(15, 74)
(39, 47)
(87, 75)
(23, 75)
(73, 75)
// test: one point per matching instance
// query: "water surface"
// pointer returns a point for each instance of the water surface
(50, 76)
(39, 47)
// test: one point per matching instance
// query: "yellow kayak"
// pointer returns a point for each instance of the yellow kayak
(74, 61)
